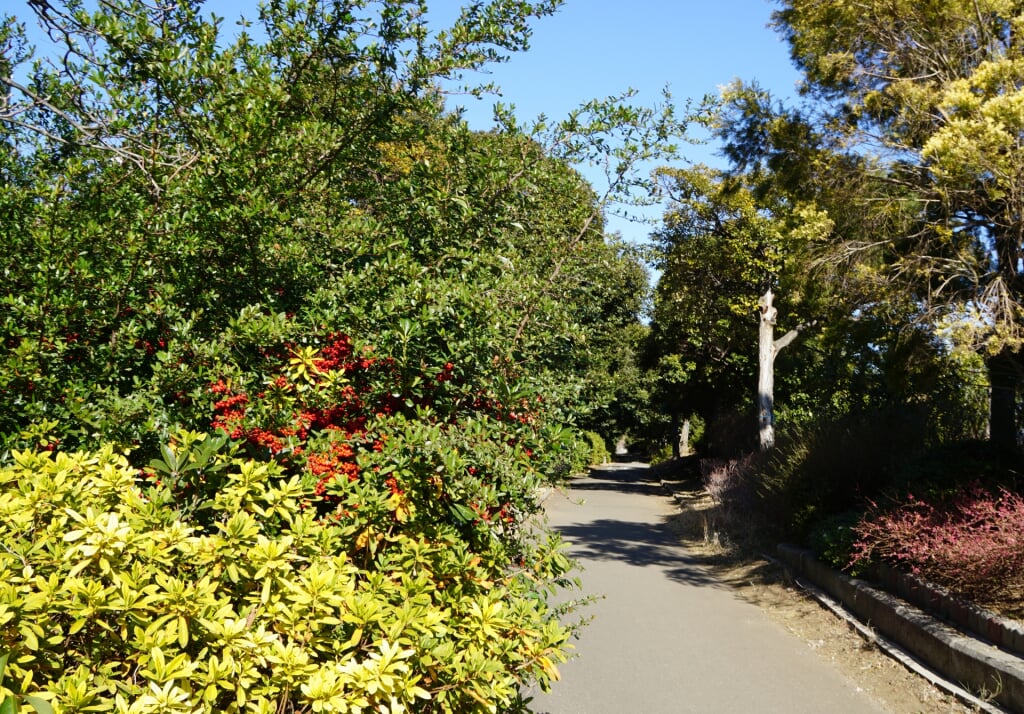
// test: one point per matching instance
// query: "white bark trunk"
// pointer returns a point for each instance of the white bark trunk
(766, 373)
(684, 438)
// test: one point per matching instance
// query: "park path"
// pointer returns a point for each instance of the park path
(666, 637)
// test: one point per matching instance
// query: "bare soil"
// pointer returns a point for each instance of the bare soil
(767, 585)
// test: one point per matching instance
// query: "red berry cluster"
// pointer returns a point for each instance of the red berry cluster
(348, 410)
(347, 416)
(338, 461)
(445, 375)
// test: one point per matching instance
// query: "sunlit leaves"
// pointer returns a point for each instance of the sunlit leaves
(251, 614)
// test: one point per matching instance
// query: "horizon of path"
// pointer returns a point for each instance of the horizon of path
(666, 636)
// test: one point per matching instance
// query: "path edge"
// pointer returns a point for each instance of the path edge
(978, 666)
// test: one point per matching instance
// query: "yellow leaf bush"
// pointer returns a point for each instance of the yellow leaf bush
(115, 598)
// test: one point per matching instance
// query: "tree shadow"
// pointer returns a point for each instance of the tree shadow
(621, 478)
(640, 544)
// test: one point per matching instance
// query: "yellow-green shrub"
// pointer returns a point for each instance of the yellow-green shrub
(113, 598)
(598, 449)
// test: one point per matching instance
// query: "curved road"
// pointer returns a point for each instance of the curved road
(665, 636)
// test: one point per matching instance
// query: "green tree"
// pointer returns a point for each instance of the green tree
(930, 94)
(176, 206)
(725, 247)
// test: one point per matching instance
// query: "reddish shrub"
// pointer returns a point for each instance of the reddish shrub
(972, 543)
(727, 479)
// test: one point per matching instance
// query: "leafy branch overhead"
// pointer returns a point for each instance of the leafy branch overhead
(143, 82)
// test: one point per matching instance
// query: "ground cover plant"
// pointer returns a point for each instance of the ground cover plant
(968, 541)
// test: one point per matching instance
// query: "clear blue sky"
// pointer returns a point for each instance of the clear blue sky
(595, 48)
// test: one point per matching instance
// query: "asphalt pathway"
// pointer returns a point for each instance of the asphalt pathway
(666, 637)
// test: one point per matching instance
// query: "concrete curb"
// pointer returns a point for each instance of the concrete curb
(978, 666)
(999, 631)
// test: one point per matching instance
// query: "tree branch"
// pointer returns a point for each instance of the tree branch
(787, 338)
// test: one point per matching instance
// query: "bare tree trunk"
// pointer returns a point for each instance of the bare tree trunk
(766, 373)
(767, 349)
(684, 438)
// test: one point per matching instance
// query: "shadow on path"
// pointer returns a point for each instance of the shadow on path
(611, 535)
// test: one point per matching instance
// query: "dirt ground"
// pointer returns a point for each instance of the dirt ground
(766, 584)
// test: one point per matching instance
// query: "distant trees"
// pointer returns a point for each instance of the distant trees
(730, 242)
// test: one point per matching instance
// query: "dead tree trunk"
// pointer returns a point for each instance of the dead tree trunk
(767, 349)
(766, 373)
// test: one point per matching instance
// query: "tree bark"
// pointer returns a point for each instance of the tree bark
(684, 438)
(767, 349)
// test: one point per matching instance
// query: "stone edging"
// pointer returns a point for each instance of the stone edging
(978, 666)
(987, 625)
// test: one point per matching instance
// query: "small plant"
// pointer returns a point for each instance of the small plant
(598, 450)
(833, 541)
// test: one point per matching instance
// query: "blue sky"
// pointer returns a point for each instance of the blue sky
(596, 48)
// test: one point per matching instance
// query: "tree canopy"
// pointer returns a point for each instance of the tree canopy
(930, 94)
(171, 185)
(880, 208)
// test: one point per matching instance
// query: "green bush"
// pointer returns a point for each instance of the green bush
(833, 541)
(352, 536)
(662, 453)
(114, 598)
(598, 449)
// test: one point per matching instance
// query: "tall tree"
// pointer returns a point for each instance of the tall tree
(176, 194)
(931, 93)
(725, 248)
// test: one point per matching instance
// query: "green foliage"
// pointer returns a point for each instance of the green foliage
(9, 703)
(833, 540)
(698, 430)
(661, 454)
(167, 218)
(724, 241)
(598, 449)
(799, 213)
(937, 212)
(263, 515)
(819, 471)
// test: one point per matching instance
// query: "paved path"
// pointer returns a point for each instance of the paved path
(666, 637)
